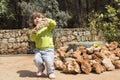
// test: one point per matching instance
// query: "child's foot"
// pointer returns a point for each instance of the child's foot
(52, 76)
(39, 73)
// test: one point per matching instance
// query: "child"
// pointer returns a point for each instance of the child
(42, 36)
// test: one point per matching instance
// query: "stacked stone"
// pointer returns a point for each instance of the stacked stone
(17, 41)
(14, 41)
(63, 36)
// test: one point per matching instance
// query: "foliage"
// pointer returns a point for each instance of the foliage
(28, 7)
(51, 10)
(48, 7)
(3, 8)
(14, 14)
(107, 22)
(5, 13)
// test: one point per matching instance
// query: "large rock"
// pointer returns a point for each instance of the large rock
(108, 64)
(117, 64)
(86, 67)
(98, 68)
(71, 66)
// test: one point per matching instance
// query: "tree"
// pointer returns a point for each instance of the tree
(107, 21)
(15, 13)
(49, 7)
(27, 8)
(3, 8)
(5, 14)
(51, 10)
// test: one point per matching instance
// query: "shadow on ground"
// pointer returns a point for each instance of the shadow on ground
(27, 73)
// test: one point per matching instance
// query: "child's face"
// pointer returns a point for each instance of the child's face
(37, 20)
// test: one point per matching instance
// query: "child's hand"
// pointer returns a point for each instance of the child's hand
(34, 31)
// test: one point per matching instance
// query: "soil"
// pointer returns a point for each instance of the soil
(21, 67)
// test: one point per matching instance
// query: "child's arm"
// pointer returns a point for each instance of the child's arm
(52, 24)
(33, 35)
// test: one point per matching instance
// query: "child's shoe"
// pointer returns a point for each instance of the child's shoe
(39, 73)
(52, 76)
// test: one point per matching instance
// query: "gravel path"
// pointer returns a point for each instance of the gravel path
(21, 67)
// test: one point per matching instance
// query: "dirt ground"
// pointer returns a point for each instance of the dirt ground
(21, 67)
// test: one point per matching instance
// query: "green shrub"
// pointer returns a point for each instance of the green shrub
(107, 22)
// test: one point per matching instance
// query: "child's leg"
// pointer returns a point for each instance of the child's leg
(39, 61)
(48, 58)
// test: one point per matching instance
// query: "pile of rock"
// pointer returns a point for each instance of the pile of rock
(97, 58)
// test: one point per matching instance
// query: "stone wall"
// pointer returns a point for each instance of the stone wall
(14, 41)
(64, 36)
(17, 41)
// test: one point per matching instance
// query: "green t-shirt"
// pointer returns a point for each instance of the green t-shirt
(43, 38)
